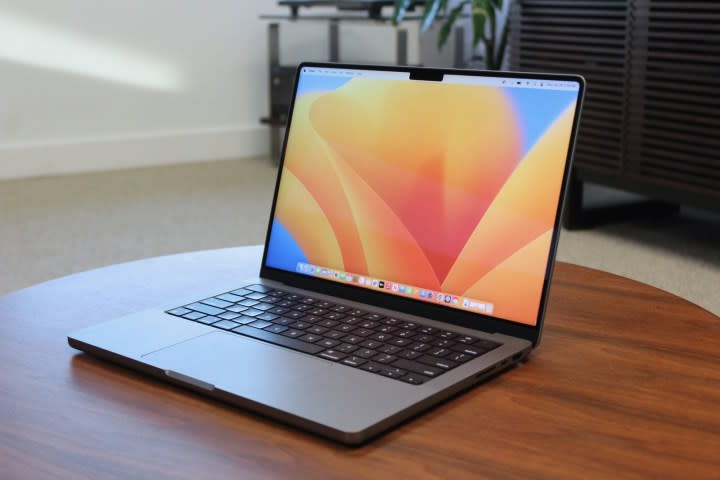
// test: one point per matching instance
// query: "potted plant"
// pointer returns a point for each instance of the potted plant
(484, 17)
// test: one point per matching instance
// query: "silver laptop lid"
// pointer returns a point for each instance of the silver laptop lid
(436, 192)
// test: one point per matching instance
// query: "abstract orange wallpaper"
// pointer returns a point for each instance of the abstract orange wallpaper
(441, 186)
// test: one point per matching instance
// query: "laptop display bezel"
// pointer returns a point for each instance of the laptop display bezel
(432, 311)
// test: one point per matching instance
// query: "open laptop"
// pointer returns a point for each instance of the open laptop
(409, 252)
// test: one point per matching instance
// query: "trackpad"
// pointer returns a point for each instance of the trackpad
(236, 364)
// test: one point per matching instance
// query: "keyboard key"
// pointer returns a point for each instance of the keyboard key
(333, 355)
(374, 316)
(444, 343)
(340, 308)
(259, 288)
(384, 358)
(226, 324)
(262, 306)
(346, 348)
(417, 367)
(324, 304)
(194, 315)
(301, 307)
(279, 339)
(178, 311)
(354, 361)
(448, 335)
(437, 362)
(276, 328)
(244, 319)
(255, 296)
(362, 332)
(386, 329)
(251, 312)
(365, 353)
(345, 328)
(352, 320)
(392, 321)
(382, 337)
(334, 316)
(468, 349)
(317, 330)
(229, 297)
(292, 333)
(259, 324)
(206, 309)
(310, 338)
(414, 379)
(371, 344)
(278, 310)
(241, 292)
(368, 324)
(301, 325)
(420, 347)
(328, 323)
(284, 321)
(268, 317)
(216, 302)
(424, 338)
(405, 333)
(208, 319)
(371, 367)
(428, 330)
(354, 312)
(486, 345)
(401, 342)
(334, 334)
(328, 343)
(409, 326)
(277, 293)
(438, 352)
(228, 315)
(467, 339)
(248, 303)
(352, 339)
(390, 349)
(308, 300)
(317, 311)
(393, 372)
(294, 314)
(459, 357)
(409, 354)
(236, 308)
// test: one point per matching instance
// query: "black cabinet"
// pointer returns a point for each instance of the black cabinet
(651, 120)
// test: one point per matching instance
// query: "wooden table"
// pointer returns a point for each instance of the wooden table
(626, 383)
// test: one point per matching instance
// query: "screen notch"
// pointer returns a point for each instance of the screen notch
(426, 75)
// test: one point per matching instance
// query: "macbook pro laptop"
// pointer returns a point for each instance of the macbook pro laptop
(408, 256)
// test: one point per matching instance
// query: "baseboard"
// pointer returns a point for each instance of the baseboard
(39, 159)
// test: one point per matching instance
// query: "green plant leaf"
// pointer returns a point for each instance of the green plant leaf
(449, 22)
(430, 11)
(479, 15)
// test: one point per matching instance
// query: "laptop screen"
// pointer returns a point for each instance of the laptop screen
(439, 191)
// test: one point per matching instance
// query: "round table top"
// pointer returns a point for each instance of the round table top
(625, 383)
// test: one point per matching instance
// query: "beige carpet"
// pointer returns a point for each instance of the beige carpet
(60, 225)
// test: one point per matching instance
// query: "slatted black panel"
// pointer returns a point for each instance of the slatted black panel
(675, 106)
(586, 37)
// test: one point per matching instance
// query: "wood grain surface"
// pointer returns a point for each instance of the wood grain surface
(625, 384)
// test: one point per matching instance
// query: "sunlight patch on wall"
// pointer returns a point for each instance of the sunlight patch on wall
(33, 43)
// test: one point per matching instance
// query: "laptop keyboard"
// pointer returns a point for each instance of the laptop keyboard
(407, 351)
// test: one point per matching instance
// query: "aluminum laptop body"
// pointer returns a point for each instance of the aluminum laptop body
(417, 207)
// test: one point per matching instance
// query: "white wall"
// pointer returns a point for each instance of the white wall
(89, 85)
